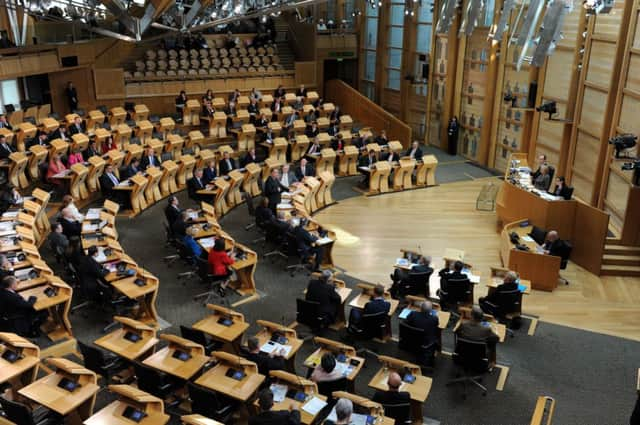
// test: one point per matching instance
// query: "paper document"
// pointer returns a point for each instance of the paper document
(474, 278)
(124, 183)
(101, 258)
(207, 242)
(367, 169)
(539, 249)
(402, 262)
(8, 233)
(274, 347)
(10, 214)
(527, 238)
(314, 406)
(324, 241)
(22, 274)
(93, 214)
(344, 368)
(405, 313)
(90, 228)
(193, 215)
(279, 392)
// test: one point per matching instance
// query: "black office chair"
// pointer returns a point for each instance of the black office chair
(21, 414)
(187, 257)
(415, 284)
(308, 313)
(506, 308)
(326, 388)
(211, 404)
(412, 340)
(370, 326)
(565, 253)
(552, 172)
(101, 362)
(203, 270)
(250, 210)
(294, 252)
(401, 413)
(458, 292)
(538, 234)
(201, 338)
(472, 357)
(170, 242)
(155, 382)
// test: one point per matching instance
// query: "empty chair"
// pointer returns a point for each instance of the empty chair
(308, 313)
(153, 381)
(21, 414)
(101, 362)
(200, 338)
(210, 404)
(472, 358)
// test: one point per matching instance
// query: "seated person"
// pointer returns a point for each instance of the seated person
(6, 267)
(326, 371)
(41, 139)
(133, 168)
(264, 214)
(75, 157)
(454, 273)
(173, 211)
(249, 158)
(377, 303)
(307, 245)
(274, 417)
(323, 291)
(109, 145)
(382, 138)
(427, 320)
(195, 184)
(312, 131)
(58, 241)
(181, 102)
(314, 147)
(552, 244)
(261, 121)
(9, 197)
(562, 189)
(209, 173)
(393, 396)
(344, 410)
(55, 166)
(287, 177)
(220, 261)
(302, 91)
(90, 272)
(421, 266)
(543, 181)
(392, 157)
(542, 160)
(70, 226)
(195, 250)
(226, 164)
(304, 169)
(415, 152)
(333, 129)
(449, 277)
(265, 362)
(180, 224)
(489, 304)
(254, 110)
(108, 181)
(77, 127)
(478, 330)
(22, 317)
(337, 144)
(368, 160)
(149, 159)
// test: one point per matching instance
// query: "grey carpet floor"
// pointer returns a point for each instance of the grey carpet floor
(592, 376)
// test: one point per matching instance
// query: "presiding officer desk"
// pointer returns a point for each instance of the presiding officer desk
(584, 226)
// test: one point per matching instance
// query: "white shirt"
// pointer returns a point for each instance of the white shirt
(284, 180)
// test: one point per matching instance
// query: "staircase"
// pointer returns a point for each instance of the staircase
(620, 260)
(287, 57)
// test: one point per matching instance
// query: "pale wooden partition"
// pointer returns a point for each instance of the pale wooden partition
(109, 83)
(366, 112)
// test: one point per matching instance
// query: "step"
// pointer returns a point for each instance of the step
(621, 250)
(611, 270)
(621, 260)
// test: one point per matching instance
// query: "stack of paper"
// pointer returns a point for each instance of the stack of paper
(279, 392)
(193, 215)
(93, 214)
(274, 347)
(10, 214)
(402, 262)
(207, 242)
(314, 406)
(324, 241)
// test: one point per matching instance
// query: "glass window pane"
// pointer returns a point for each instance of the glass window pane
(370, 66)
(9, 94)
(395, 37)
(393, 79)
(372, 33)
(395, 58)
(372, 11)
(489, 8)
(425, 14)
(368, 90)
(397, 14)
(423, 42)
(331, 11)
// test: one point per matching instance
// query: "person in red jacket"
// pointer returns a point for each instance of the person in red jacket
(220, 261)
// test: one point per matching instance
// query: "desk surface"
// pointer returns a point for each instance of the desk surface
(164, 362)
(216, 380)
(11, 370)
(45, 391)
(419, 390)
(305, 417)
(498, 328)
(116, 343)
(43, 301)
(112, 415)
(264, 336)
(362, 299)
(210, 326)
(495, 281)
(198, 420)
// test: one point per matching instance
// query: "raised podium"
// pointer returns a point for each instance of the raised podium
(42, 198)
(166, 126)
(312, 96)
(156, 145)
(325, 161)
(140, 112)
(313, 184)
(195, 141)
(117, 116)
(327, 109)
(185, 170)
(218, 125)
(96, 168)
(58, 147)
(77, 186)
(168, 180)
(250, 182)
(278, 150)
(220, 201)
(115, 158)
(133, 152)
(152, 191)
(346, 122)
(299, 147)
(122, 135)
(267, 112)
(174, 145)
(218, 103)
(25, 131)
(243, 102)
(323, 197)
(348, 164)
(191, 113)
(403, 173)
(49, 125)
(290, 98)
(347, 137)
(323, 123)
(323, 139)
(144, 130)
(247, 137)
(234, 197)
(95, 120)
(299, 127)
(266, 101)
(426, 171)
(379, 177)
(206, 156)
(135, 186)
(101, 135)
(79, 142)
(18, 162)
(38, 156)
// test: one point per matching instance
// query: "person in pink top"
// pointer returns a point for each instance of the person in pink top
(75, 158)
(55, 166)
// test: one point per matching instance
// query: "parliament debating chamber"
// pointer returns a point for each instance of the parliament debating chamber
(319, 212)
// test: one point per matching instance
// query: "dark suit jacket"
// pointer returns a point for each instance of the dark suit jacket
(418, 154)
(427, 322)
(311, 132)
(391, 397)
(394, 156)
(555, 248)
(377, 305)
(265, 363)
(193, 186)
(89, 152)
(308, 171)
(564, 192)
(273, 190)
(224, 168)
(18, 311)
(446, 275)
(248, 159)
(6, 150)
(504, 287)
(131, 171)
(145, 162)
(364, 161)
(106, 184)
(73, 129)
(172, 214)
(90, 272)
(476, 332)
(279, 417)
(179, 228)
(302, 93)
(71, 228)
(304, 240)
(208, 175)
(326, 295)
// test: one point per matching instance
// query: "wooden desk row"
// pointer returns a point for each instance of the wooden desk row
(401, 174)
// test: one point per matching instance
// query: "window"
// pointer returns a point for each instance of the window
(367, 84)
(394, 45)
(9, 94)
(393, 79)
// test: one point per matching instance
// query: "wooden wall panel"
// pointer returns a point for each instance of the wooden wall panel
(594, 104)
(82, 78)
(617, 194)
(633, 79)
(306, 73)
(109, 83)
(601, 63)
(586, 159)
(608, 24)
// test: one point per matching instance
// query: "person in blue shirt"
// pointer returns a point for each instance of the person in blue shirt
(194, 247)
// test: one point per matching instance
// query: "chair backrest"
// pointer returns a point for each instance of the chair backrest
(419, 283)
(203, 401)
(472, 355)
(569, 193)
(204, 270)
(374, 325)
(400, 412)
(411, 339)
(93, 358)
(183, 250)
(458, 290)
(249, 200)
(17, 412)
(308, 313)
(538, 234)
(552, 171)
(509, 302)
(327, 388)
(150, 380)
(565, 253)
(193, 335)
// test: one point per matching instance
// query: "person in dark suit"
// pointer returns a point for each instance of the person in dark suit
(453, 274)
(382, 138)
(304, 169)
(279, 92)
(108, 181)
(4, 123)
(427, 320)
(70, 226)
(323, 291)
(249, 158)
(271, 417)
(180, 224)
(400, 275)
(561, 188)
(478, 330)
(149, 159)
(261, 121)
(5, 148)
(552, 244)
(337, 144)
(273, 189)
(392, 396)
(133, 168)
(333, 129)
(377, 303)
(542, 160)
(91, 150)
(306, 243)
(415, 152)
(334, 117)
(59, 133)
(452, 135)
(312, 130)
(19, 312)
(41, 139)
(90, 272)
(254, 111)
(77, 127)
(314, 148)
(543, 181)
(72, 96)
(392, 157)
(302, 91)
(226, 164)
(490, 303)
(195, 184)
(209, 173)
(173, 211)
(181, 102)
(368, 160)
(265, 362)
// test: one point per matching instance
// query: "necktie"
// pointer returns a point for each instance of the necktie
(113, 178)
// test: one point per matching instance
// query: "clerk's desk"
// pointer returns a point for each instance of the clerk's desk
(541, 269)
(364, 406)
(164, 360)
(270, 329)
(418, 390)
(120, 341)
(299, 384)
(198, 420)
(516, 201)
(133, 400)
(22, 371)
(76, 406)
(213, 325)
(337, 349)
(216, 378)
